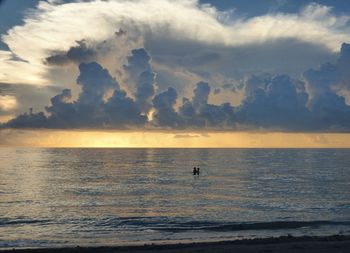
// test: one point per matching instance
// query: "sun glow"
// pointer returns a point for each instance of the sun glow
(127, 139)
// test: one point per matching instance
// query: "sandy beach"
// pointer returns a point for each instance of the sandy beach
(337, 243)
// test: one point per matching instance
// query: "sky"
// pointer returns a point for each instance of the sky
(239, 73)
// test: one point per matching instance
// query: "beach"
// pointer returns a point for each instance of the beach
(286, 244)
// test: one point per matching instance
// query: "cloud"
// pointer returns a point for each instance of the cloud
(28, 120)
(274, 103)
(31, 73)
(96, 82)
(138, 62)
(164, 105)
(28, 96)
(201, 94)
(182, 136)
(94, 108)
(330, 76)
(271, 102)
(8, 103)
(123, 111)
(325, 86)
(199, 113)
(77, 54)
(141, 76)
(158, 24)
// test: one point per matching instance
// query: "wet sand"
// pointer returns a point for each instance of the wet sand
(288, 244)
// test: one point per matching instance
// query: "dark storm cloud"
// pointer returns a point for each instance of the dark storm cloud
(285, 104)
(145, 90)
(193, 113)
(28, 120)
(199, 113)
(138, 62)
(165, 114)
(330, 75)
(123, 110)
(140, 72)
(272, 102)
(330, 109)
(90, 110)
(201, 94)
(95, 82)
(331, 112)
(77, 54)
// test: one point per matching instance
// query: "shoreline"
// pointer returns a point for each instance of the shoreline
(285, 244)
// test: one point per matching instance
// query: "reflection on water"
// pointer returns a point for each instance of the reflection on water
(109, 196)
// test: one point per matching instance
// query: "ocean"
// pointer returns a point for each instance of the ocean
(92, 197)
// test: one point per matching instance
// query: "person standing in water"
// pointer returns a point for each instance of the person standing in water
(195, 171)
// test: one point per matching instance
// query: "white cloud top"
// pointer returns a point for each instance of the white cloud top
(56, 28)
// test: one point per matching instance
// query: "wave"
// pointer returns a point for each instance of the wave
(4, 222)
(260, 226)
(167, 224)
(164, 224)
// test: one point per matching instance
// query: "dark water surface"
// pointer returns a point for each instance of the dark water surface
(68, 197)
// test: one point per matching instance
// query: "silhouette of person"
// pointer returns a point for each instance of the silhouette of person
(194, 170)
(198, 171)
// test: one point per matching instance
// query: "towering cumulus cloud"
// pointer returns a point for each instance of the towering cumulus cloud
(325, 84)
(146, 65)
(140, 75)
(165, 114)
(101, 103)
(272, 102)
(201, 114)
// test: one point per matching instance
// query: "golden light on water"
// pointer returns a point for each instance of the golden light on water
(125, 139)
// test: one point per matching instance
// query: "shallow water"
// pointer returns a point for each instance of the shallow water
(68, 197)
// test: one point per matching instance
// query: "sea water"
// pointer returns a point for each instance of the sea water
(92, 197)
